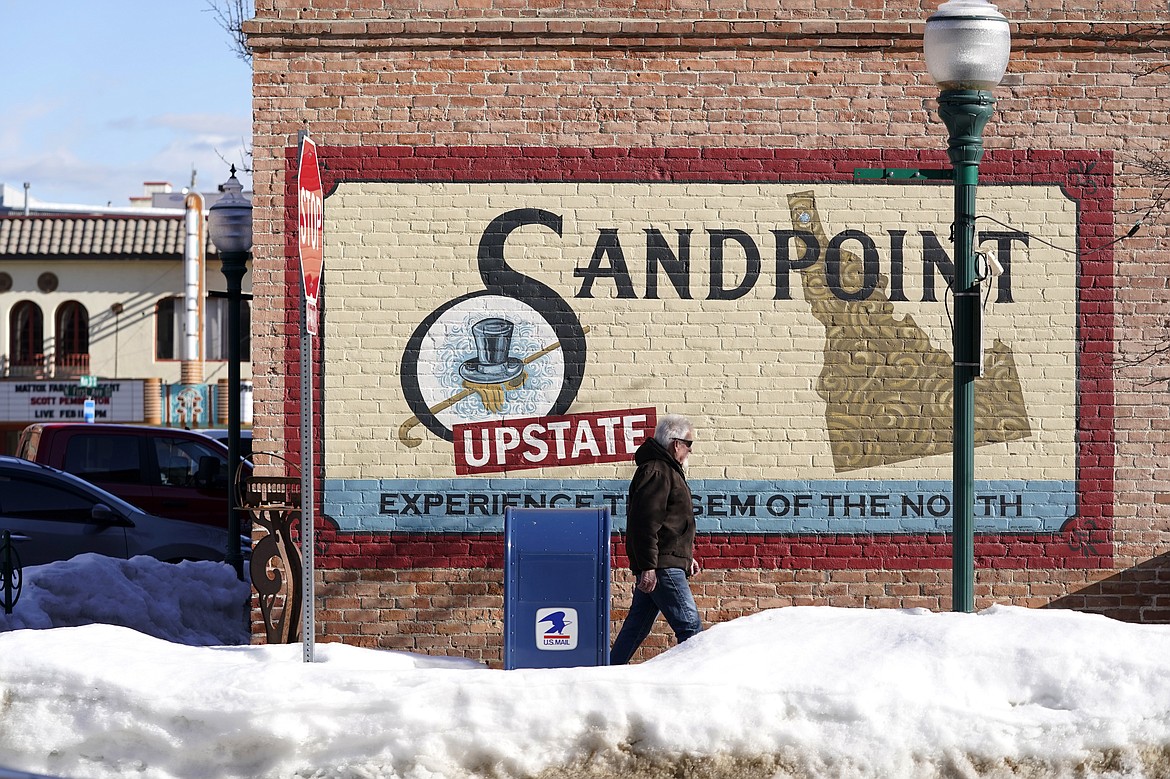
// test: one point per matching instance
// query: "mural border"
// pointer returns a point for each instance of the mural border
(1086, 177)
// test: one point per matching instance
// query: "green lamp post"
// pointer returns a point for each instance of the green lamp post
(229, 221)
(967, 43)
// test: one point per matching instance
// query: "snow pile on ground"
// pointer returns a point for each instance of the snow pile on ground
(792, 692)
(196, 603)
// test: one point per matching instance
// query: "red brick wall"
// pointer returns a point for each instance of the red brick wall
(827, 76)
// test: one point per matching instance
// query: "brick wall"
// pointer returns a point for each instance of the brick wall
(505, 94)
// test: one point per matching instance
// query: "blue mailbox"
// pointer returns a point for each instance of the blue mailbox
(556, 588)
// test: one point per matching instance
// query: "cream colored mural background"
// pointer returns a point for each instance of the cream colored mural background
(745, 370)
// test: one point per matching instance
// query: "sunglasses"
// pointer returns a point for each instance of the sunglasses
(685, 442)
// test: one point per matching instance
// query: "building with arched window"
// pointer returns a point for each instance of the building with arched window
(105, 295)
(26, 340)
(71, 352)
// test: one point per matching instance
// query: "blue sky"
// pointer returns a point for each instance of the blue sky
(102, 95)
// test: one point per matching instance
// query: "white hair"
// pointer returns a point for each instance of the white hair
(673, 426)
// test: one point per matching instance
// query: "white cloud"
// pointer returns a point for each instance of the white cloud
(136, 90)
(17, 120)
(158, 149)
(59, 171)
(210, 155)
(204, 123)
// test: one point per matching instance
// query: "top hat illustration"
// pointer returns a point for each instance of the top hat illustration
(492, 364)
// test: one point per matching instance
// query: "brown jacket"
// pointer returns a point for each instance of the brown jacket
(660, 520)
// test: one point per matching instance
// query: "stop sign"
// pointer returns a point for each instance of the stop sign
(310, 227)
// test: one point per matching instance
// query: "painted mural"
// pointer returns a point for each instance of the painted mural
(505, 333)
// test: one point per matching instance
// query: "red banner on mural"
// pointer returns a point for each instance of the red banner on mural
(542, 442)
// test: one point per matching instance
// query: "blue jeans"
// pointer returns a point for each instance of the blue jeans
(672, 597)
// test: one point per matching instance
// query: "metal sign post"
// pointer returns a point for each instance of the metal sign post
(308, 594)
(310, 233)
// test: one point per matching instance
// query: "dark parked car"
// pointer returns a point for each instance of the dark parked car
(53, 515)
(164, 471)
(221, 435)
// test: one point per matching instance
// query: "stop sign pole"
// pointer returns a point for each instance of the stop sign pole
(310, 232)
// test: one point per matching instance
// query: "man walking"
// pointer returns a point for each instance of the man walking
(660, 539)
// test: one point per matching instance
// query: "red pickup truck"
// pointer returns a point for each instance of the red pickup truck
(163, 471)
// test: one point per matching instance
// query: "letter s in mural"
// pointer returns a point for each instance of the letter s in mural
(514, 349)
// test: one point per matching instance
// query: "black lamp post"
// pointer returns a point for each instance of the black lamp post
(967, 43)
(229, 222)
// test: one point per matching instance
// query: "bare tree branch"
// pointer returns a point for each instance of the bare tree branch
(1157, 203)
(1157, 355)
(230, 15)
(244, 164)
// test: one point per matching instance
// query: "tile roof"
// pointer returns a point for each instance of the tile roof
(92, 236)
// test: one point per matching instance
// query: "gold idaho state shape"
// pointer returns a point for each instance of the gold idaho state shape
(887, 390)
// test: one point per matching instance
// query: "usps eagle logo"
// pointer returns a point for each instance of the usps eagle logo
(556, 629)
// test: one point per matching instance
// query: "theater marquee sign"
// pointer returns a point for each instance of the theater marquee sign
(504, 331)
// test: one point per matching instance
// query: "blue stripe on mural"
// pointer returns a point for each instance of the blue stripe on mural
(723, 505)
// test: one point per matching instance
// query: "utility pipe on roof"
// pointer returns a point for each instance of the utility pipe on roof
(193, 259)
